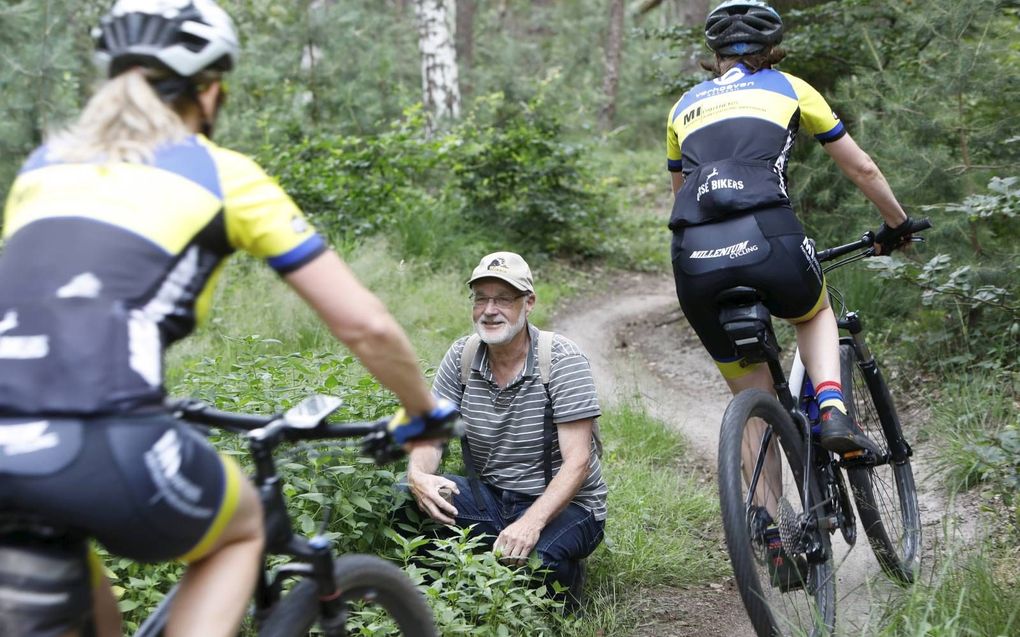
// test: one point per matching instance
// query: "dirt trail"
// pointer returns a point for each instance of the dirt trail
(642, 349)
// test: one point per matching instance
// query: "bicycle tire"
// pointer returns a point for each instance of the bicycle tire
(810, 610)
(886, 495)
(359, 578)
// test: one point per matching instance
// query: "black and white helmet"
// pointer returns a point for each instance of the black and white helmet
(737, 27)
(185, 37)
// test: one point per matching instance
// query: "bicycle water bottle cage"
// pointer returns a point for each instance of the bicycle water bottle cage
(748, 324)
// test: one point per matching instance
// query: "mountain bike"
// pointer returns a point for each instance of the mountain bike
(783, 495)
(324, 589)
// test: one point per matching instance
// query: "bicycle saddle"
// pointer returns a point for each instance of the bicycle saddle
(740, 295)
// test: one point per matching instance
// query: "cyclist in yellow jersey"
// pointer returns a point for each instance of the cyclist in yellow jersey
(728, 140)
(114, 231)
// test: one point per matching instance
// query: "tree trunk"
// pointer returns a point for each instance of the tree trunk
(694, 12)
(466, 32)
(611, 80)
(440, 89)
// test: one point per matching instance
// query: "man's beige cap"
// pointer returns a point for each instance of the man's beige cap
(506, 266)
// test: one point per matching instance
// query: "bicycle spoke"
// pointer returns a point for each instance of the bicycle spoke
(784, 593)
(885, 493)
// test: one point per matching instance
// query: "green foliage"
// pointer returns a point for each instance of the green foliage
(356, 186)
(502, 178)
(997, 461)
(472, 593)
(968, 594)
(661, 527)
(518, 180)
(257, 381)
(962, 430)
(978, 299)
(138, 588)
(46, 72)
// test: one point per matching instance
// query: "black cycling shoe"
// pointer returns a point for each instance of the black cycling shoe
(840, 434)
(787, 573)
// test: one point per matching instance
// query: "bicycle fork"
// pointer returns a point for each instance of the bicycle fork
(899, 450)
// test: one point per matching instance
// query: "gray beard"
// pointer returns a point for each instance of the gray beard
(508, 335)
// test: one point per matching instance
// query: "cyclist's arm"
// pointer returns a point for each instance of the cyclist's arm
(859, 167)
(677, 180)
(360, 320)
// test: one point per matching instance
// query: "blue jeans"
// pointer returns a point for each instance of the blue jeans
(570, 537)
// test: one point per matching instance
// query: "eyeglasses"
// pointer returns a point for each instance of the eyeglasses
(502, 302)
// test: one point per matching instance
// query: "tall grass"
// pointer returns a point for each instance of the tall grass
(965, 420)
(970, 593)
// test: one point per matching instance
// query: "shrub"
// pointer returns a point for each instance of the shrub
(502, 177)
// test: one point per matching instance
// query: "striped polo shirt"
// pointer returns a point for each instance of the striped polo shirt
(504, 425)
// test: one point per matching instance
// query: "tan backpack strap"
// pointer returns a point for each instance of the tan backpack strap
(467, 356)
(545, 343)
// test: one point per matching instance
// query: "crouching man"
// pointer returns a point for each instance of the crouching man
(531, 450)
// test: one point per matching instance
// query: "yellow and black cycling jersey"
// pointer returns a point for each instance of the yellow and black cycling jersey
(731, 138)
(105, 264)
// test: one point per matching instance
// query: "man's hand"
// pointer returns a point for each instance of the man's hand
(425, 489)
(517, 541)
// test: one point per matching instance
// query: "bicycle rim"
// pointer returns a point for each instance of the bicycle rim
(774, 606)
(886, 495)
(378, 596)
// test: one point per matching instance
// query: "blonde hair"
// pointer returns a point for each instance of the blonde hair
(125, 121)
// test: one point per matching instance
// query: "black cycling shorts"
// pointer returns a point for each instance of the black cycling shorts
(766, 250)
(148, 488)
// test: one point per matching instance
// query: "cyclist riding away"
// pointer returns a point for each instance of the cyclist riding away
(728, 140)
(114, 232)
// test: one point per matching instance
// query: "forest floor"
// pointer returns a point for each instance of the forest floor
(642, 349)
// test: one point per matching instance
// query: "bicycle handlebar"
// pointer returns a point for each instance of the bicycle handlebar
(867, 241)
(377, 440)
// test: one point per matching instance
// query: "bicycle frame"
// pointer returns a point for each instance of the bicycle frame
(313, 556)
(750, 328)
(832, 516)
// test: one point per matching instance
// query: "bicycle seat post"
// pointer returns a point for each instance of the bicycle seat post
(749, 325)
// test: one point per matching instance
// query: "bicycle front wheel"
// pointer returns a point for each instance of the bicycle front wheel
(885, 494)
(788, 590)
(375, 592)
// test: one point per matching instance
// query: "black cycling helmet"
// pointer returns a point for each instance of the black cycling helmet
(184, 37)
(737, 27)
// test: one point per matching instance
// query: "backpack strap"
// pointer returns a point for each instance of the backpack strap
(467, 356)
(545, 341)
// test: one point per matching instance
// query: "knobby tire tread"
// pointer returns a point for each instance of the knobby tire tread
(901, 566)
(356, 576)
(747, 404)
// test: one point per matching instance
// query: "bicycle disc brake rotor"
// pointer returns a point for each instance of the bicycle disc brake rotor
(790, 532)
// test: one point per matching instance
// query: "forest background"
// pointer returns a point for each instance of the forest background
(540, 128)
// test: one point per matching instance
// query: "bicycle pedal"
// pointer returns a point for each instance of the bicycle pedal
(857, 459)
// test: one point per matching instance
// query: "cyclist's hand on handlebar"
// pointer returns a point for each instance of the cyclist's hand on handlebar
(888, 239)
(439, 423)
